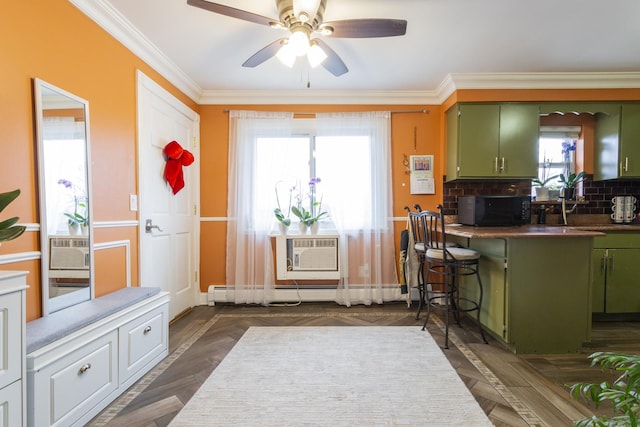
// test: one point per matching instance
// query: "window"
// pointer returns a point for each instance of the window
(340, 162)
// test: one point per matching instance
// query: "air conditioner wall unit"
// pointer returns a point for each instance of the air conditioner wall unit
(307, 257)
(69, 253)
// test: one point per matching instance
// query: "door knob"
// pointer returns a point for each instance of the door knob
(148, 226)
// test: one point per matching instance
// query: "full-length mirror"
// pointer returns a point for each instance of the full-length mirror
(62, 124)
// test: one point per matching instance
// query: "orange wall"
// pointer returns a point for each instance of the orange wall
(54, 41)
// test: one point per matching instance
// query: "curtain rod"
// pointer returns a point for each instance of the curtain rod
(424, 110)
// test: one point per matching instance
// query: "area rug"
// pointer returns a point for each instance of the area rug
(333, 376)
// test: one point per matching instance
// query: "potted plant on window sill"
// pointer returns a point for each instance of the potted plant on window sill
(307, 219)
(569, 183)
(542, 192)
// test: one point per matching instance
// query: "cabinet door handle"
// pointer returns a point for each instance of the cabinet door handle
(611, 264)
(146, 330)
(495, 165)
(626, 164)
(84, 368)
(502, 165)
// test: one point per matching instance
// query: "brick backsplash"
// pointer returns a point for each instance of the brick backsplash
(597, 193)
(520, 187)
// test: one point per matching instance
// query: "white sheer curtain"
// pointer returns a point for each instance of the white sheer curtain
(353, 160)
(363, 214)
(249, 269)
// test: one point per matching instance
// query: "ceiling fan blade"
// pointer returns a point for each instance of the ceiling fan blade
(265, 53)
(365, 28)
(332, 63)
(232, 12)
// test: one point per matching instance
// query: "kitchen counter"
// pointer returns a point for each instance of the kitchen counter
(525, 231)
(634, 227)
(537, 284)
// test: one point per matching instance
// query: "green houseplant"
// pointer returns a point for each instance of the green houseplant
(9, 231)
(569, 183)
(572, 179)
(623, 393)
(306, 217)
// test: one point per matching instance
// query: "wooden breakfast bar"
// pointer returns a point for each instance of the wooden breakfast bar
(537, 284)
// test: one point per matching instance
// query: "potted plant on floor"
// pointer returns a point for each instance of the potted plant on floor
(623, 393)
(8, 229)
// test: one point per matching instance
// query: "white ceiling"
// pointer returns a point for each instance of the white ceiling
(202, 52)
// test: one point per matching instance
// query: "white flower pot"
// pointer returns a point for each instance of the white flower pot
(542, 194)
(303, 228)
(283, 228)
(74, 229)
(315, 227)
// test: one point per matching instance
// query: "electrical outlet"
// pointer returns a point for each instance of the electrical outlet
(133, 203)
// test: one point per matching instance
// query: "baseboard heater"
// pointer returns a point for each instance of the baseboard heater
(218, 294)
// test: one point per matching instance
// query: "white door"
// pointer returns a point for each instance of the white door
(168, 223)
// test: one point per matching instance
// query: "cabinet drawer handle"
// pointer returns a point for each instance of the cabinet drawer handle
(147, 330)
(84, 368)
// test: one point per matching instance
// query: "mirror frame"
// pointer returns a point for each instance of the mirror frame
(51, 305)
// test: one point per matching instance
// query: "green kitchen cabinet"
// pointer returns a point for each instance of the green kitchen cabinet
(492, 140)
(617, 143)
(616, 284)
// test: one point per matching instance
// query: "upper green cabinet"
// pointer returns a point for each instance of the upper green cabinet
(617, 144)
(492, 141)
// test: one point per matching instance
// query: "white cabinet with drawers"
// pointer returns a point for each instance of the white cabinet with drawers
(70, 380)
(12, 348)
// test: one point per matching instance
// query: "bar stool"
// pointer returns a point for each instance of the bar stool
(446, 265)
(419, 246)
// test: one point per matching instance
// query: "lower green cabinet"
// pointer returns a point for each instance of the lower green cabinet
(536, 291)
(616, 274)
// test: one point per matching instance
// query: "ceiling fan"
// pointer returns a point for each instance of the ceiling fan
(304, 19)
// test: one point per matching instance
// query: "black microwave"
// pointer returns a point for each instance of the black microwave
(494, 210)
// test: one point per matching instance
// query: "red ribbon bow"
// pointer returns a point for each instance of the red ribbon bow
(176, 158)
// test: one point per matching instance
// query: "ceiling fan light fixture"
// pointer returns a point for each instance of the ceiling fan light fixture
(299, 43)
(316, 55)
(286, 55)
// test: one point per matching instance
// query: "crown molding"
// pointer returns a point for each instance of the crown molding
(112, 21)
(320, 97)
(590, 80)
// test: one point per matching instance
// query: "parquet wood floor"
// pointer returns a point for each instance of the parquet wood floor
(513, 390)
